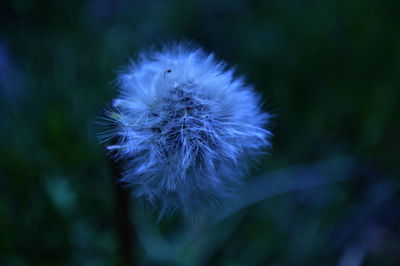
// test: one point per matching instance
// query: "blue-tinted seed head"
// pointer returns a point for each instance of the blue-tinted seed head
(185, 128)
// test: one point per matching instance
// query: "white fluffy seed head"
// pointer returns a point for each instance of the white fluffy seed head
(185, 128)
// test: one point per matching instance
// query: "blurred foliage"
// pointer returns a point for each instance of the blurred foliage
(328, 70)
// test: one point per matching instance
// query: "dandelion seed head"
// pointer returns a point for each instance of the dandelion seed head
(185, 127)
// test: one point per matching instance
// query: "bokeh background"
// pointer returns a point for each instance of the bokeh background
(328, 70)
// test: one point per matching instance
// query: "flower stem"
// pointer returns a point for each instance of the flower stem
(124, 230)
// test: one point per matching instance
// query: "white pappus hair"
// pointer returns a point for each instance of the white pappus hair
(184, 127)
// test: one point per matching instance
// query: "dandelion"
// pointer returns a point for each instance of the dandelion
(185, 127)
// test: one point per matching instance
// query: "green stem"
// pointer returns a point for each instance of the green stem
(123, 224)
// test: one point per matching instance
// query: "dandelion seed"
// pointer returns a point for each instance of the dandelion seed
(186, 128)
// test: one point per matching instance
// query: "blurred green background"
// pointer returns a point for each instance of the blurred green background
(328, 70)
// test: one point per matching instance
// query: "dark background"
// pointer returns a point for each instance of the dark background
(328, 70)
